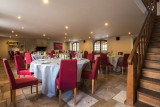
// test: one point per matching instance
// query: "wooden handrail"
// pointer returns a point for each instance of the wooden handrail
(137, 55)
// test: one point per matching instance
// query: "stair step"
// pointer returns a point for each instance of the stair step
(153, 56)
(154, 50)
(150, 83)
(152, 64)
(149, 97)
(151, 73)
(141, 104)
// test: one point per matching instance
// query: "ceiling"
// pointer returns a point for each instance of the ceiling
(82, 17)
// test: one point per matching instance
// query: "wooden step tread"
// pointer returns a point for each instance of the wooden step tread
(149, 93)
(151, 69)
(141, 104)
(151, 80)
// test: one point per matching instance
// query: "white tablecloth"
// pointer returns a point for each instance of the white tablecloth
(35, 57)
(79, 55)
(47, 70)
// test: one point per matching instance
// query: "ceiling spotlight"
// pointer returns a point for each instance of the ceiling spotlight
(89, 37)
(66, 27)
(12, 31)
(19, 17)
(107, 36)
(45, 1)
(22, 27)
(44, 35)
(69, 40)
(65, 33)
(16, 35)
(10, 36)
(129, 33)
(106, 24)
(91, 32)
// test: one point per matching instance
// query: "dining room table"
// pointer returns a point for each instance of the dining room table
(47, 71)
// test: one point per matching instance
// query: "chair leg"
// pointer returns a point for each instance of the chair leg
(107, 69)
(14, 98)
(75, 96)
(11, 94)
(31, 89)
(122, 71)
(92, 87)
(110, 68)
(18, 76)
(59, 98)
(56, 90)
(96, 83)
(37, 91)
(26, 66)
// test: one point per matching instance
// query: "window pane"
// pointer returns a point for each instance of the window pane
(103, 46)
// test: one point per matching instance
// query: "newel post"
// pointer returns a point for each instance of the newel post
(131, 95)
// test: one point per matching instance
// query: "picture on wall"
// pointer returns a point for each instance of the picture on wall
(58, 46)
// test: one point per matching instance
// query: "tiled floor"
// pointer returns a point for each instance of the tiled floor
(111, 92)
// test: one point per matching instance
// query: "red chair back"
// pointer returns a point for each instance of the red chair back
(93, 52)
(68, 74)
(125, 58)
(96, 67)
(85, 54)
(50, 54)
(120, 53)
(10, 75)
(103, 59)
(53, 52)
(90, 57)
(73, 54)
(28, 58)
(12, 53)
(17, 53)
(19, 63)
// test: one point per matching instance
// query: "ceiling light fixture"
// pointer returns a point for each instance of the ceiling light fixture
(129, 33)
(89, 37)
(12, 31)
(44, 35)
(22, 27)
(16, 35)
(106, 24)
(10, 36)
(69, 40)
(66, 27)
(91, 32)
(45, 1)
(107, 36)
(65, 34)
(19, 17)
(65, 37)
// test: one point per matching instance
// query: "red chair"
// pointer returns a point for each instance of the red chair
(73, 54)
(17, 53)
(120, 53)
(104, 61)
(67, 78)
(91, 58)
(18, 83)
(10, 55)
(93, 52)
(123, 63)
(20, 66)
(60, 51)
(85, 54)
(28, 59)
(50, 55)
(92, 75)
(53, 52)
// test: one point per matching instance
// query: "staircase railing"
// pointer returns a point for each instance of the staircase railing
(137, 55)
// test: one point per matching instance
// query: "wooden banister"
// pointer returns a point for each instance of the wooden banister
(137, 55)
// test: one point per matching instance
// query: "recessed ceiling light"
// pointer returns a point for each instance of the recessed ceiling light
(66, 27)
(89, 37)
(65, 37)
(91, 32)
(12, 31)
(10, 36)
(65, 33)
(44, 34)
(107, 36)
(129, 33)
(19, 17)
(106, 24)
(45, 1)
(22, 27)
(16, 35)
(69, 40)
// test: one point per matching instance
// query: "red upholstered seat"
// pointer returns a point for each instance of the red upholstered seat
(53, 52)
(104, 59)
(67, 77)
(123, 63)
(21, 70)
(91, 58)
(18, 83)
(28, 58)
(50, 55)
(17, 53)
(92, 75)
(26, 81)
(73, 54)
(85, 54)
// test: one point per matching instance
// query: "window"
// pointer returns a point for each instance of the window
(75, 46)
(100, 46)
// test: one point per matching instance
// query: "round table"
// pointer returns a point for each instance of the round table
(35, 57)
(47, 70)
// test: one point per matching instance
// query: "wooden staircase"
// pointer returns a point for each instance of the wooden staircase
(148, 93)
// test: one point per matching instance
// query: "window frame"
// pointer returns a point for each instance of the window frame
(100, 45)
(76, 46)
